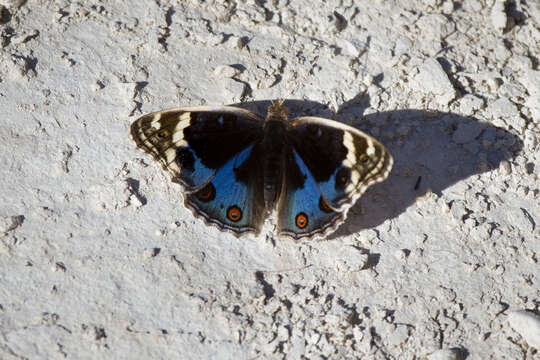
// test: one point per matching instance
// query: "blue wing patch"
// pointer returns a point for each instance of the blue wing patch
(233, 199)
(303, 211)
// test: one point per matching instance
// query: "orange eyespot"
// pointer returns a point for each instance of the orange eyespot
(363, 158)
(301, 220)
(234, 213)
(207, 193)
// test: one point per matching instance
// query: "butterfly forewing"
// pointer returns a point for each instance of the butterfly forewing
(343, 160)
(193, 142)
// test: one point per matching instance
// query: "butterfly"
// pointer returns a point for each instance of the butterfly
(237, 168)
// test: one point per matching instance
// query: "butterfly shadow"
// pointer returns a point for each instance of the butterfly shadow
(432, 151)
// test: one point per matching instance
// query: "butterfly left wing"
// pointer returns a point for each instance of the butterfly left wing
(212, 152)
(338, 163)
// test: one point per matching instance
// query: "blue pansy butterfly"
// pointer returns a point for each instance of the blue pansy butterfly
(236, 167)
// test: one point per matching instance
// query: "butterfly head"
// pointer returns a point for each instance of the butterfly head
(277, 111)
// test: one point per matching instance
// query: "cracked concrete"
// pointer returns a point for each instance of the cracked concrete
(99, 258)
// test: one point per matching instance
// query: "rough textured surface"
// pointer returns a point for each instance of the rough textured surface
(99, 259)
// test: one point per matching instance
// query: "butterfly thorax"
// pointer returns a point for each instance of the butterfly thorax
(277, 112)
(275, 130)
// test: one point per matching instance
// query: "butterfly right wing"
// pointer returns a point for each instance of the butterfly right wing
(329, 165)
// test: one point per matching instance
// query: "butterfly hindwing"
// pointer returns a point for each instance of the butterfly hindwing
(233, 199)
(343, 160)
(302, 211)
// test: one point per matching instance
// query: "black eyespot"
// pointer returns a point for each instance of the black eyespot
(207, 193)
(163, 134)
(323, 205)
(363, 158)
(313, 129)
(343, 177)
(184, 159)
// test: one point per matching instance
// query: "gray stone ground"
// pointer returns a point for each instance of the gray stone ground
(99, 259)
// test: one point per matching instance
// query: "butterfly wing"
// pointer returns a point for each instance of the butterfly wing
(212, 152)
(338, 161)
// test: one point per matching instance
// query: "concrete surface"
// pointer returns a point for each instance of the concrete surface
(100, 260)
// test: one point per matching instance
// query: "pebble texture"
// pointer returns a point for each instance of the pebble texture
(527, 324)
(99, 259)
